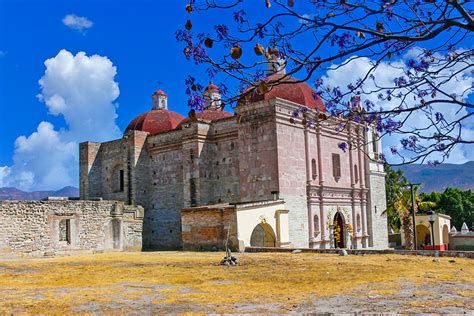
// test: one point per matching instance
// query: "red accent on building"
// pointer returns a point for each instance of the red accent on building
(287, 89)
(156, 121)
(159, 92)
(210, 115)
(212, 87)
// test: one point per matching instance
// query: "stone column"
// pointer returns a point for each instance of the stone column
(308, 186)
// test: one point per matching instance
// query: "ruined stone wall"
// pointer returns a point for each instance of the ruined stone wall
(206, 228)
(52, 227)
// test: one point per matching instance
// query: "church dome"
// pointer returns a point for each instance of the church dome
(159, 119)
(287, 89)
(155, 121)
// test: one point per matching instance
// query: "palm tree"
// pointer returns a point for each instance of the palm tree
(402, 208)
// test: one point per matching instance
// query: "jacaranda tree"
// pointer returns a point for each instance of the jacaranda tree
(404, 66)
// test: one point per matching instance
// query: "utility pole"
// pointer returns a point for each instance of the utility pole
(413, 211)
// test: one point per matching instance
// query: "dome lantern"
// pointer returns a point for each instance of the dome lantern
(212, 95)
(159, 100)
(276, 64)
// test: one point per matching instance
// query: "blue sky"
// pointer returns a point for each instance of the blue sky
(138, 39)
(137, 53)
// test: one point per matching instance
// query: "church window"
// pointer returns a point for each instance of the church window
(231, 146)
(65, 230)
(121, 181)
(358, 223)
(193, 193)
(336, 166)
(374, 144)
(316, 225)
(313, 169)
(356, 174)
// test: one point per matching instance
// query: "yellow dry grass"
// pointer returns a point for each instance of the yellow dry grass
(111, 282)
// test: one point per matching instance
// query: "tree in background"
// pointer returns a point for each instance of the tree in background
(458, 204)
(410, 63)
(399, 210)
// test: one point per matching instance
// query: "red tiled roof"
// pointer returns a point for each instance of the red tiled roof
(210, 115)
(159, 92)
(287, 89)
(212, 87)
(155, 121)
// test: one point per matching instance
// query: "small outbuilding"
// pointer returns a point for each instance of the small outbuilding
(258, 224)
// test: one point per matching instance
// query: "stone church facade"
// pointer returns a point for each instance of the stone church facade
(270, 173)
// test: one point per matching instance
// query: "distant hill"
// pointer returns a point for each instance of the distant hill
(440, 177)
(16, 194)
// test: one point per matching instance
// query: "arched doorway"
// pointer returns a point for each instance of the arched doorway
(338, 231)
(423, 236)
(445, 234)
(263, 236)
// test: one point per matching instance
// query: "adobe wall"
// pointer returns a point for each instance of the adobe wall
(36, 227)
(206, 228)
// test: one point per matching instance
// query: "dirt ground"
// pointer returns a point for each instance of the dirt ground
(187, 282)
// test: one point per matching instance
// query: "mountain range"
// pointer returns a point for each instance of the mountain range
(16, 194)
(438, 178)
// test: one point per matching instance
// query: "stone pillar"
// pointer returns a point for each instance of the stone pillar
(307, 155)
(87, 156)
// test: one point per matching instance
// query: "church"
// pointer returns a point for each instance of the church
(256, 177)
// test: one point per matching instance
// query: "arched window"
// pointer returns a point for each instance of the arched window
(358, 223)
(313, 169)
(316, 225)
(356, 174)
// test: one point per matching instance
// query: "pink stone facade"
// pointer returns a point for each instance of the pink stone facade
(258, 154)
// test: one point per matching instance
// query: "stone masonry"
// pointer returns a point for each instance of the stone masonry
(51, 227)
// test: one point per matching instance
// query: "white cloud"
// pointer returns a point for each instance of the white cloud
(384, 74)
(82, 89)
(79, 23)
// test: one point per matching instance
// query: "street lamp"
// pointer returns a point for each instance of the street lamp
(431, 219)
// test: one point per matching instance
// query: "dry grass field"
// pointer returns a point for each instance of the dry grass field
(185, 282)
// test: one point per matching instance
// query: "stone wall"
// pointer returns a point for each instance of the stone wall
(206, 228)
(50, 227)
(461, 241)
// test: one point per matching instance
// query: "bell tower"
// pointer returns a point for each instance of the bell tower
(212, 95)
(159, 100)
(275, 62)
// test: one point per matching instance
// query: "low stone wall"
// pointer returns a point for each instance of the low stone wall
(461, 241)
(39, 228)
(205, 228)
(430, 253)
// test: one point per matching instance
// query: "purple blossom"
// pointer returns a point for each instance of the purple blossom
(239, 16)
(318, 82)
(394, 150)
(260, 30)
(433, 163)
(260, 75)
(221, 30)
(342, 146)
(439, 116)
(196, 102)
